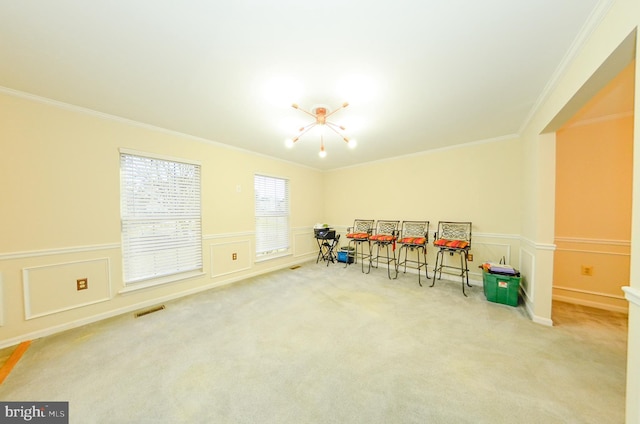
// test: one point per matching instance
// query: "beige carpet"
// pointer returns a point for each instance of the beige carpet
(331, 345)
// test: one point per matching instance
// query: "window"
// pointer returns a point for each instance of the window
(160, 213)
(272, 215)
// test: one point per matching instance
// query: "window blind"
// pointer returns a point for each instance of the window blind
(161, 218)
(272, 214)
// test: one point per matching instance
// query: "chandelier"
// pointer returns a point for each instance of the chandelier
(320, 114)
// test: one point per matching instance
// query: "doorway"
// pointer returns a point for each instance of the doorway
(594, 166)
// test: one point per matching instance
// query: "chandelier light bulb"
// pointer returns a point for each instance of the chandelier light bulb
(352, 144)
(322, 152)
(288, 143)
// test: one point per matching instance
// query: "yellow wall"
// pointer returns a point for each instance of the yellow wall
(60, 218)
(478, 182)
(594, 165)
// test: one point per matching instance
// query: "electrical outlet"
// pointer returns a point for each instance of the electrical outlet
(587, 270)
(234, 256)
(470, 257)
(82, 284)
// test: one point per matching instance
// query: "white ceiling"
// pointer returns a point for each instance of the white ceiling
(418, 74)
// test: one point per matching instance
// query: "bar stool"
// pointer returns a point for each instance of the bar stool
(453, 237)
(386, 235)
(414, 236)
(358, 235)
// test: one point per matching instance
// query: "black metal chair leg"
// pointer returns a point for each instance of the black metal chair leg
(462, 269)
(389, 263)
(419, 274)
(406, 254)
(426, 269)
(466, 267)
(399, 261)
(377, 247)
(439, 257)
(370, 253)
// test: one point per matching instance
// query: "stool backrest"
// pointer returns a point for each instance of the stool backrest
(362, 226)
(387, 228)
(415, 229)
(454, 230)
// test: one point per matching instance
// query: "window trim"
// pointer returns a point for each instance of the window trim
(159, 281)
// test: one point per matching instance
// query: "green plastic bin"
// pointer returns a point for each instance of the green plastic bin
(501, 288)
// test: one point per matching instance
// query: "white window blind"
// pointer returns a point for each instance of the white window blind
(161, 218)
(272, 215)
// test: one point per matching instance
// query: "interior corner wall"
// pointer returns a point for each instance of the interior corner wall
(60, 215)
(538, 169)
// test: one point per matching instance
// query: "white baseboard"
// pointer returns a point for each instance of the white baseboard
(543, 321)
(590, 303)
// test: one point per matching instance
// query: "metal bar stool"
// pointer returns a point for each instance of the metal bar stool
(414, 236)
(454, 238)
(386, 235)
(358, 235)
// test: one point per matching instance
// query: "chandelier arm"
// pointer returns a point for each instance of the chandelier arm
(330, 125)
(335, 127)
(332, 112)
(307, 127)
(305, 130)
(302, 110)
(342, 106)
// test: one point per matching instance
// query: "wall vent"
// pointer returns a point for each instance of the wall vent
(149, 311)
(295, 267)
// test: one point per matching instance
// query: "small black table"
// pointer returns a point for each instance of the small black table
(327, 243)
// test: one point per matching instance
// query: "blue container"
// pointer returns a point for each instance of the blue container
(343, 256)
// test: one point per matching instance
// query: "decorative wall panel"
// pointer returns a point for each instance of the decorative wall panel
(50, 289)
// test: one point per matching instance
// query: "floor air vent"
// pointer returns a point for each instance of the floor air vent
(149, 311)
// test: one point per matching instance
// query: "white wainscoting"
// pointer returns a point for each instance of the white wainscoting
(304, 242)
(527, 265)
(49, 289)
(611, 260)
(527, 269)
(221, 257)
(488, 247)
(60, 251)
